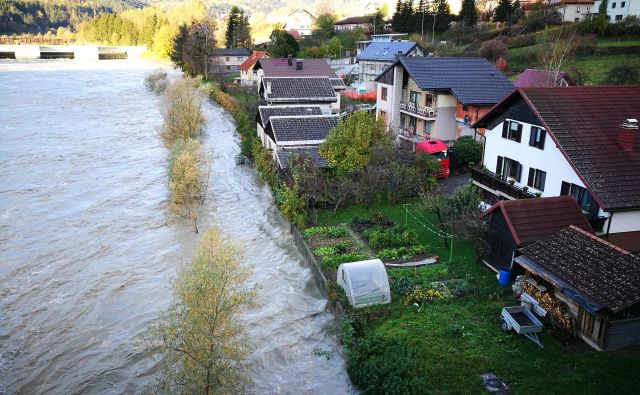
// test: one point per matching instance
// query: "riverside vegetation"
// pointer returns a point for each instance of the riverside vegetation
(204, 345)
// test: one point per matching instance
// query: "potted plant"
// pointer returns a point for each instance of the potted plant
(525, 188)
(499, 175)
(538, 194)
(511, 181)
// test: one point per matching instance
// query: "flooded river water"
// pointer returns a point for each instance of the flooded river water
(87, 254)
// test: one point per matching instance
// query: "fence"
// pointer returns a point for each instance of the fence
(309, 259)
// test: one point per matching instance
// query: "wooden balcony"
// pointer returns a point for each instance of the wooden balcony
(426, 112)
(489, 180)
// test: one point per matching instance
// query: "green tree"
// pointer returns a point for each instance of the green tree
(378, 22)
(282, 44)
(504, 11)
(232, 23)
(178, 46)
(443, 15)
(238, 34)
(602, 9)
(468, 13)
(466, 150)
(333, 47)
(325, 23)
(350, 146)
(204, 342)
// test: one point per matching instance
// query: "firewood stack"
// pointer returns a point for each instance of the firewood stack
(558, 313)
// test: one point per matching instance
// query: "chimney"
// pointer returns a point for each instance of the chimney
(398, 55)
(268, 87)
(290, 60)
(299, 64)
(627, 134)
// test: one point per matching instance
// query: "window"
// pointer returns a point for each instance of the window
(537, 178)
(383, 93)
(508, 168)
(581, 194)
(613, 5)
(429, 99)
(239, 58)
(227, 58)
(536, 139)
(618, 17)
(465, 107)
(622, 4)
(588, 10)
(512, 130)
(413, 97)
(383, 115)
(228, 67)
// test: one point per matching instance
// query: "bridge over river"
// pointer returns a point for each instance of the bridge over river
(81, 52)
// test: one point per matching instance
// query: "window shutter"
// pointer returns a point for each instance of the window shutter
(499, 165)
(564, 189)
(518, 172)
(518, 138)
(531, 174)
(532, 136)
(543, 178)
(505, 129)
(543, 134)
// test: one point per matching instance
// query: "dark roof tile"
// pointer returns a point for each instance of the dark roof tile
(279, 67)
(285, 156)
(299, 130)
(386, 51)
(299, 89)
(603, 272)
(265, 112)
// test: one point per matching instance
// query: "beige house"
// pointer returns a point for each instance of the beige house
(227, 60)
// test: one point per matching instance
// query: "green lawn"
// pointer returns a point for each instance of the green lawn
(618, 43)
(455, 340)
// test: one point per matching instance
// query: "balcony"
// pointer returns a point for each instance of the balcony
(489, 180)
(426, 112)
(406, 134)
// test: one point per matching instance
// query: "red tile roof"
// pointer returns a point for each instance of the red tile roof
(531, 78)
(279, 67)
(532, 219)
(295, 34)
(601, 271)
(584, 122)
(247, 64)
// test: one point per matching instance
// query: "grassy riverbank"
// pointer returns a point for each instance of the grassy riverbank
(445, 345)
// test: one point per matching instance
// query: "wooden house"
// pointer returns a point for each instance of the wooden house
(596, 282)
(512, 224)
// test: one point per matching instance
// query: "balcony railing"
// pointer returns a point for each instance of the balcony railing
(409, 136)
(489, 179)
(428, 112)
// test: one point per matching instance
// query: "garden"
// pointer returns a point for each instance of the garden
(441, 330)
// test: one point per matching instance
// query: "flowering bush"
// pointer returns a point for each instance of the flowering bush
(420, 295)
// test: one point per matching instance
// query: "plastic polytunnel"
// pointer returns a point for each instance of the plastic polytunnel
(365, 282)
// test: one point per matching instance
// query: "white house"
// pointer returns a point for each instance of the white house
(574, 10)
(617, 10)
(294, 91)
(301, 21)
(580, 141)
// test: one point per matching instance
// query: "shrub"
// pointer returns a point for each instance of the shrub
(421, 295)
(291, 202)
(187, 179)
(263, 160)
(182, 111)
(493, 50)
(403, 285)
(333, 262)
(153, 80)
(324, 251)
(377, 366)
(466, 150)
(622, 74)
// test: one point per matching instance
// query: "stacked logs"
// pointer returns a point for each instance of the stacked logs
(558, 313)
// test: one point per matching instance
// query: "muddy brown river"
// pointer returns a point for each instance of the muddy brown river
(87, 253)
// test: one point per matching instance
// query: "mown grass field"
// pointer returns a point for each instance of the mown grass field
(454, 341)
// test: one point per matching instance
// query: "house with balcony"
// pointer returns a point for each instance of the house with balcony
(379, 55)
(618, 10)
(573, 10)
(579, 141)
(428, 97)
(249, 76)
(354, 22)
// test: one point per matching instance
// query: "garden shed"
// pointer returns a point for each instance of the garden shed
(364, 282)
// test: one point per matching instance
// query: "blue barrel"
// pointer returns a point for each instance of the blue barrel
(504, 276)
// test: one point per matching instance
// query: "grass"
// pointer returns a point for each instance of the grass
(618, 43)
(456, 340)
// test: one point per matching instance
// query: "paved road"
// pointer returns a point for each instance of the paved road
(454, 182)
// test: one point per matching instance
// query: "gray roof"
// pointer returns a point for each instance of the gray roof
(337, 83)
(386, 51)
(299, 89)
(266, 112)
(471, 80)
(231, 52)
(301, 130)
(286, 155)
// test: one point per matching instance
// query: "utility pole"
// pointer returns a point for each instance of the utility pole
(422, 34)
(433, 34)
